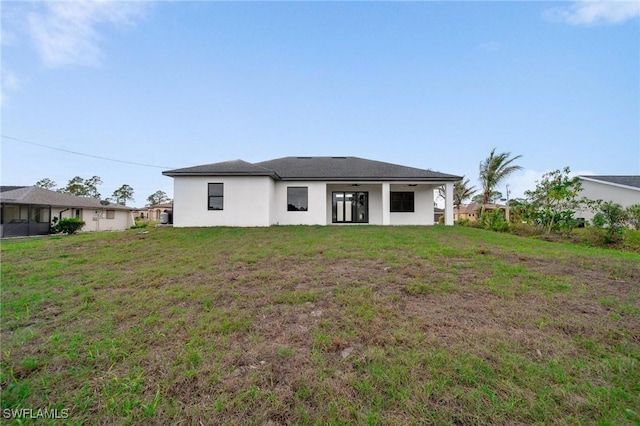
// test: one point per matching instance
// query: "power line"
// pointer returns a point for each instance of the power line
(86, 155)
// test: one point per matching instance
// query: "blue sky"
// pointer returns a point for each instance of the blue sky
(426, 84)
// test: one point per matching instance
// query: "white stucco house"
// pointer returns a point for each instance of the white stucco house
(623, 190)
(29, 210)
(307, 191)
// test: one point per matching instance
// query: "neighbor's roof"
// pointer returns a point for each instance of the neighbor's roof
(45, 197)
(317, 168)
(474, 207)
(631, 181)
(158, 206)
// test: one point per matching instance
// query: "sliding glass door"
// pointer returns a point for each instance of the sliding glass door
(350, 207)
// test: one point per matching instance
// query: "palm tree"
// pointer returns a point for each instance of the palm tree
(493, 170)
(461, 192)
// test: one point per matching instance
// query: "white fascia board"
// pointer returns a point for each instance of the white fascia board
(604, 182)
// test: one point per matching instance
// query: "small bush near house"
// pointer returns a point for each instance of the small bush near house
(633, 216)
(613, 217)
(67, 226)
(494, 221)
(463, 222)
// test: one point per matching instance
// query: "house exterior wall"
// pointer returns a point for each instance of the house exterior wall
(247, 201)
(423, 203)
(261, 201)
(96, 219)
(625, 196)
(315, 214)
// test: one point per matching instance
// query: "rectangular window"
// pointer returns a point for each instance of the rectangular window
(402, 202)
(297, 198)
(111, 214)
(40, 214)
(216, 195)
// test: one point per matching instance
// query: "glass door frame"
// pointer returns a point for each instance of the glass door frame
(359, 209)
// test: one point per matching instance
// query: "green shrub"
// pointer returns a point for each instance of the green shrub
(614, 217)
(494, 221)
(68, 226)
(463, 222)
(633, 216)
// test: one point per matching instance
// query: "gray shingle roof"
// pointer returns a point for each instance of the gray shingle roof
(318, 168)
(633, 181)
(10, 188)
(45, 197)
(232, 168)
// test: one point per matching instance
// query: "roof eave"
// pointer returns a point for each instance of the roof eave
(605, 182)
(214, 174)
(372, 179)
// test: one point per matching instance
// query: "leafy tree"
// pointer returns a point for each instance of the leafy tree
(83, 188)
(613, 216)
(123, 194)
(92, 186)
(75, 186)
(493, 170)
(46, 183)
(555, 200)
(520, 210)
(633, 216)
(158, 197)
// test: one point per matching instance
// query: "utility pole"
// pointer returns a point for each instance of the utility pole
(508, 192)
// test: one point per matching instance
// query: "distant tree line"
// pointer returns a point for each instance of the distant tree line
(89, 188)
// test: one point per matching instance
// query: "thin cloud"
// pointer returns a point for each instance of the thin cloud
(595, 12)
(9, 82)
(490, 46)
(66, 33)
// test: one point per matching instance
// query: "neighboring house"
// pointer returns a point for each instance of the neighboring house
(307, 191)
(471, 211)
(153, 212)
(623, 190)
(29, 210)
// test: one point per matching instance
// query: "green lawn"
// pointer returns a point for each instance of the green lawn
(320, 325)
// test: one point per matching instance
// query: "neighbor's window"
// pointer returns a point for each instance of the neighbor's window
(111, 214)
(402, 202)
(297, 198)
(40, 214)
(216, 195)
